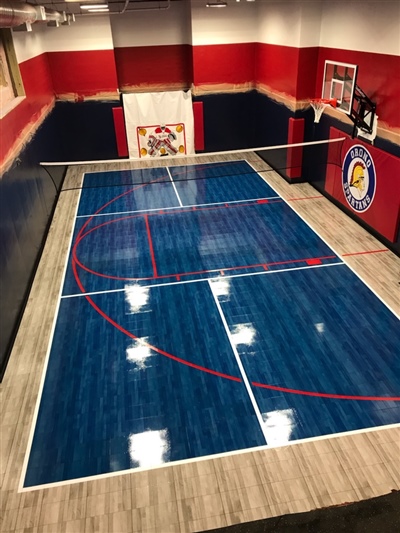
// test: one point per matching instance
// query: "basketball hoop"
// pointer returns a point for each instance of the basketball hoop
(319, 105)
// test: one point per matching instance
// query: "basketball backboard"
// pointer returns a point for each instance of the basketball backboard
(339, 82)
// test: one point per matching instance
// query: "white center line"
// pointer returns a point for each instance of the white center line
(173, 184)
(187, 206)
(202, 280)
(240, 365)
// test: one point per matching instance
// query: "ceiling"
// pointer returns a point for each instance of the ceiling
(115, 6)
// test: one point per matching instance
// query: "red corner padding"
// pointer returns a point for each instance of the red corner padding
(198, 126)
(120, 132)
(294, 158)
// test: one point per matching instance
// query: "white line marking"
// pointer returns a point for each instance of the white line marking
(193, 156)
(180, 207)
(240, 365)
(46, 361)
(330, 246)
(341, 263)
(173, 184)
(232, 453)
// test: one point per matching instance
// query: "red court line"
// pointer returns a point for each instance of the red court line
(134, 337)
(76, 262)
(327, 395)
(153, 259)
(366, 252)
(214, 372)
(221, 374)
(178, 275)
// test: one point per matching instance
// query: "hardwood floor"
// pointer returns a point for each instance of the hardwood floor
(208, 493)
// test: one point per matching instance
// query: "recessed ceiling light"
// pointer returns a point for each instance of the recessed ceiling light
(93, 6)
(216, 4)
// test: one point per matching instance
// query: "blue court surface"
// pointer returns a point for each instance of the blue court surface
(200, 315)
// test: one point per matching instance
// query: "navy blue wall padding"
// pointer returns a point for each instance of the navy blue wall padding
(228, 121)
(85, 131)
(271, 121)
(28, 195)
(27, 199)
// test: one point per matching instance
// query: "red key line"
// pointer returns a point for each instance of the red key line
(153, 259)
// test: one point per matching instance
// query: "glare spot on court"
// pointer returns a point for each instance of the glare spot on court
(137, 297)
(320, 327)
(278, 426)
(150, 448)
(243, 334)
(139, 352)
(221, 288)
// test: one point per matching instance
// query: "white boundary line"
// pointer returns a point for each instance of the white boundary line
(208, 457)
(329, 245)
(246, 274)
(155, 209)
(173, 185)
(47, 357)
(240, 365)
(208, 154)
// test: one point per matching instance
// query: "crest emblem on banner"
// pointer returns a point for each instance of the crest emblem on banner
(358, 178)
(161, 140)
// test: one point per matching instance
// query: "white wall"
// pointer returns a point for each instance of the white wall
(29, 44)
(279, 23)
(362, 26)
(152, 28)
(236, 23)
(310, 30)
(86, 33)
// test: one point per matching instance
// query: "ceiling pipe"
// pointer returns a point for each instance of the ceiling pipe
(15, 13)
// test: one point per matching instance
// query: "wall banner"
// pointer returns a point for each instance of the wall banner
(159, 124)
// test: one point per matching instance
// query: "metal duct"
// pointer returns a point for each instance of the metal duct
(13, 14)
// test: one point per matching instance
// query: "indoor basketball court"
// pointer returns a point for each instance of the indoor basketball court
(227, 322)
(202, 267)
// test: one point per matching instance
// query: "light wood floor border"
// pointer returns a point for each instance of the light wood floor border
(203, 494)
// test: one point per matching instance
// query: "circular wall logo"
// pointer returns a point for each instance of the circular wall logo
(358, 178)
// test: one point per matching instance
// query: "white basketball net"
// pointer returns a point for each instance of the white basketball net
(318, 106)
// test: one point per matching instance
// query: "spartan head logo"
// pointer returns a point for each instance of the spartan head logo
(358, 178)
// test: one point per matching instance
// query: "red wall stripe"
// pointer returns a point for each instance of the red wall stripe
(198, 115)
(276, 67)
(223, 64)
(143, 66)
(307, 73)
(85, 73)
(120, 131)
(38, 85)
